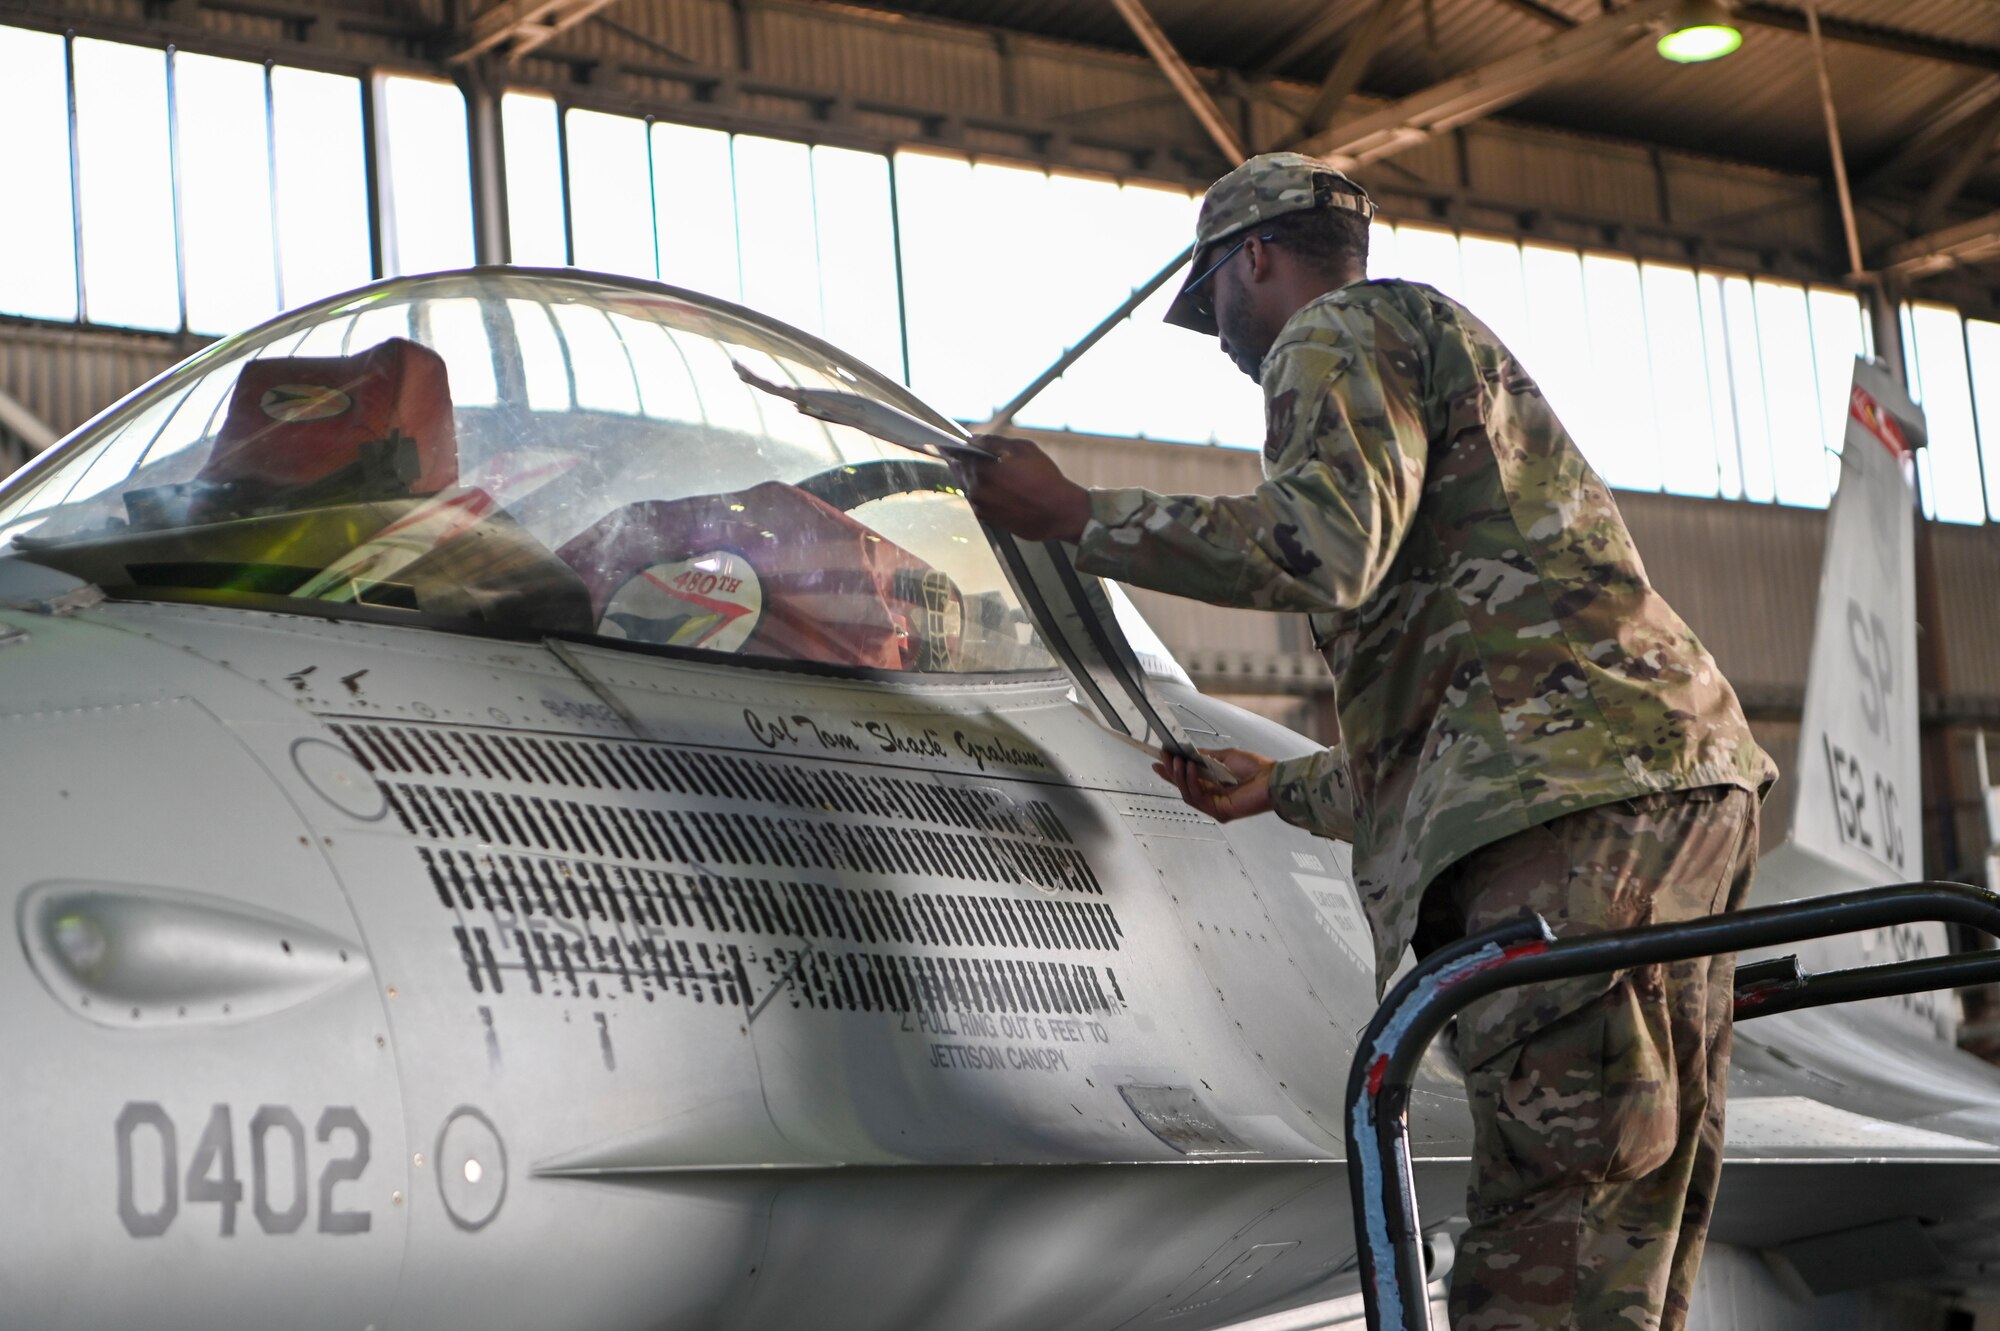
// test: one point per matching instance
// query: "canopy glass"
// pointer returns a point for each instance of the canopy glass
(531, 451)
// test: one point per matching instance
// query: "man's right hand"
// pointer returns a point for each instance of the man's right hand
(1251, 795)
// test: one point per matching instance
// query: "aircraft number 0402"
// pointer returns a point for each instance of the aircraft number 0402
(277, 1141)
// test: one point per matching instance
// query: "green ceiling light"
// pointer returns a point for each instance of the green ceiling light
(1701, 30)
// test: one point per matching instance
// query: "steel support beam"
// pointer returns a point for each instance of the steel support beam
(1302, 40)
(1972, 154)
(1345, 76)
(1969, 242)
(1182, 78)
(1481, 92)
(1932, 133)
(516, 27)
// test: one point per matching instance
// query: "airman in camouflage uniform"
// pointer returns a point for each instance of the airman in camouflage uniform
(1526, 725)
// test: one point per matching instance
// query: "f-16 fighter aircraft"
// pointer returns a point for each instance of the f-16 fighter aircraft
(509, 825)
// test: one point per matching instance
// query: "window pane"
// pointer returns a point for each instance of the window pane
(610, 194)
(1560, 330)
(1074, 284)
(1383, 258)
(1494, 291)
(1164, 382)
(857, 254)
(324, 246)
(535, 227)
(1425, 254)
(427, 209)
(934, 198)
(1939, 347)
(1791, 394)
(694, 200)
(1688, 463)
(1722, 399)
(775, 226)
(1623, 434)
(38, 278)
(1983, 341)
(128, 201)
(1837, 339)
(225, 159)
(1148, 377)
(1746, 370)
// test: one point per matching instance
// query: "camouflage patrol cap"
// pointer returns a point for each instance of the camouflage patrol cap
(1268, 185)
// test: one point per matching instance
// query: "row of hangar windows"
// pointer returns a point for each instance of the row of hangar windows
(168, 190)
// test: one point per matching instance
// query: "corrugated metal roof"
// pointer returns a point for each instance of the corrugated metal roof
(1761, 105)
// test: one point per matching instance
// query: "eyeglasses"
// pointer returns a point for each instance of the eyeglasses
(1196, 287)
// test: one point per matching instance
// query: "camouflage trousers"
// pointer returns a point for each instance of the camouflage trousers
(1597, 1103)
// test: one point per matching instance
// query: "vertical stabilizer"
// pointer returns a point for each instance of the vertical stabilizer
(1856, 816)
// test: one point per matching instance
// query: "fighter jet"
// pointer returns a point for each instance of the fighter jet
(510, 825)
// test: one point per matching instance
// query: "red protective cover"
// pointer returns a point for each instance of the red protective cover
(297, 419)
(826, 579)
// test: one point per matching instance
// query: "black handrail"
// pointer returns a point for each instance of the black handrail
(1380, 1179)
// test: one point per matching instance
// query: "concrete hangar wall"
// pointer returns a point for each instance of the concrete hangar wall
(847, 76)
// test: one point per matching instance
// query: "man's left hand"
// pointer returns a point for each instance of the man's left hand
(1022, 491)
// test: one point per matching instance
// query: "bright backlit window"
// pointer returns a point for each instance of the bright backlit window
(1693, 383)
(1005, 266)
(324, 245)
(610, 194)
(777, 231)
(1941, 383)
(857, 256)
(1798, 444)
(214, 192)
(694, 204)
(126, 181)
(537, 235)
(229, 247)
(1619, 432)
(38, 278)
(1425, 254)
(428, 210)
(1683, 406)
(1560, 324)
(1982, 343)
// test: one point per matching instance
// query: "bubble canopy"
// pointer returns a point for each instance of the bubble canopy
(526, 451)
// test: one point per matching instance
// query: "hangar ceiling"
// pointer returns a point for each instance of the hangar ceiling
(1895, 63)
(1916, 83)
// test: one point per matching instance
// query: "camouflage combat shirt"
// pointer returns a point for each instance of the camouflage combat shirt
(1499, 658)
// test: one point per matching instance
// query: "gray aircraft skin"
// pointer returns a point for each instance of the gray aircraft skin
(509, 827)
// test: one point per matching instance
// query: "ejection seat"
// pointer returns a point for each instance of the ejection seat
(373, 425)
(307, 431)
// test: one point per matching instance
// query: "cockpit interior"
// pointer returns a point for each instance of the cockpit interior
(532, 453)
